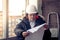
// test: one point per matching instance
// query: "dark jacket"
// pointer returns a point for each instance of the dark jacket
(25, 25)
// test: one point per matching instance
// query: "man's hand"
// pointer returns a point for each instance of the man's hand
(46, 26)
(25, 34)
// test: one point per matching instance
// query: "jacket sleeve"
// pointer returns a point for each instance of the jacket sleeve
(19, 29)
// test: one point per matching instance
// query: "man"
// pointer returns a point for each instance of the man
(31, 20)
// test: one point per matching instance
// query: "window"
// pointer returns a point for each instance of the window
(0, 5)
(1, 22)
(16, 7)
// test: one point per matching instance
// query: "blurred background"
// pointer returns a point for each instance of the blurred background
(13, 10)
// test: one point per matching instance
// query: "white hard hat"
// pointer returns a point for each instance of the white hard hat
(31, 9)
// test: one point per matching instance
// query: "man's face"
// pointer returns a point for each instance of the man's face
(31, 16)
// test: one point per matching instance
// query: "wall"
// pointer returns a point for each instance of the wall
(51, 6)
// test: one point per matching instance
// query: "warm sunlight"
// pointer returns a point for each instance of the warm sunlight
(0, 5)
(16, 7)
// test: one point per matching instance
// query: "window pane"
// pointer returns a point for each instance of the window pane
(0, 5)
(16, 7)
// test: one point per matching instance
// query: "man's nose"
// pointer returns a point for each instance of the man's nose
(32, 15)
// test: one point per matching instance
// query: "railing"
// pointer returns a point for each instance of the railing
(13, 20)
(53, 22)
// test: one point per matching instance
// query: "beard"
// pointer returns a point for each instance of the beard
(31, 20)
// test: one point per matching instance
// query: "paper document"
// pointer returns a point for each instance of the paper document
(36, 33)
(36, 28)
